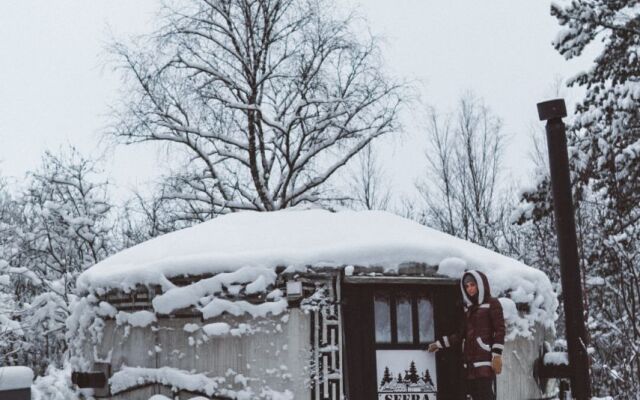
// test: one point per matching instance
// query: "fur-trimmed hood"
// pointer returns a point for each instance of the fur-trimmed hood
(484, 290)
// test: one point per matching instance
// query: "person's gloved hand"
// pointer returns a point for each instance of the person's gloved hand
(496, 364)
(433, 347)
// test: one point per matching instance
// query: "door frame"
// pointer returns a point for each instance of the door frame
(359, 369)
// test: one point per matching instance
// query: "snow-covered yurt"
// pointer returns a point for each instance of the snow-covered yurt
(299, 304)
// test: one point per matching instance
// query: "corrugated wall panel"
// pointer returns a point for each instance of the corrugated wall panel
(277, 356)
(516, 380)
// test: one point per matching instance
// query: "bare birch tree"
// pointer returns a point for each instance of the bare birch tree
(268, 97)
(144, 217)
(370, 189)
(460, 186)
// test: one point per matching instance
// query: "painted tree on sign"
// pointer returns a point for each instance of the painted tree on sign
(386, 377)
(412, 375)
(426, 377)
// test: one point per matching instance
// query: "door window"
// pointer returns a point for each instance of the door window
(382, 318)
(425, 320)
(403, 319)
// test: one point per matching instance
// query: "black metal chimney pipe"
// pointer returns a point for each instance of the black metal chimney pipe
(553, 111)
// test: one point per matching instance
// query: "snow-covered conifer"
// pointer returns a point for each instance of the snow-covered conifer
(604, 140)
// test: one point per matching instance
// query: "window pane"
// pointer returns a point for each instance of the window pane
(425, 316)
(403, 313)
(383, 319)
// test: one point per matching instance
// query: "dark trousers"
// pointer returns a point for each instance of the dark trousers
(481, 388)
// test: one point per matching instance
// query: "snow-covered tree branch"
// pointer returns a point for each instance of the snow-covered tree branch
(269, 99)
(57, 227)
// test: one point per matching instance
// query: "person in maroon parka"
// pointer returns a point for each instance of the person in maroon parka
(481, 336)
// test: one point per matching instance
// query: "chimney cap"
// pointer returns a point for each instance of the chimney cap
(552, 109)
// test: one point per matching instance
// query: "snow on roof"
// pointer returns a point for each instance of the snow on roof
(298, 239)
(291, 238)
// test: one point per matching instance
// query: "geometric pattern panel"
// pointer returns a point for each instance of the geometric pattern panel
(326, 332)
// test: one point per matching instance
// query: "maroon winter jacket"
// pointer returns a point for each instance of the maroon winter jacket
(482, 333)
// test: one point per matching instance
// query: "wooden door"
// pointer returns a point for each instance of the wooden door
(389, 325)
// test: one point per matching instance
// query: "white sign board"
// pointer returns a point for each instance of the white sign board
(406, 375)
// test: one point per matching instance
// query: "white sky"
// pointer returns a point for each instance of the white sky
(55, 90)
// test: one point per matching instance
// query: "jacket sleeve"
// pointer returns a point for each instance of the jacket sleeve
(497, 323)
(452, 340)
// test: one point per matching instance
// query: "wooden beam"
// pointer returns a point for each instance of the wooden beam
(412, 280)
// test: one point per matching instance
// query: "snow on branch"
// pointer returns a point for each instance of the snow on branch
(270, 102)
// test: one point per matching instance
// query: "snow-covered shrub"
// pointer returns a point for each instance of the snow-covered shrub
(54, 385)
